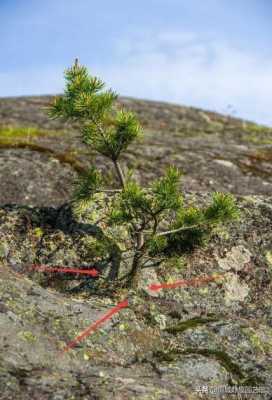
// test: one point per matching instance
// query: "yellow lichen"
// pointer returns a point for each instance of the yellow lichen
(268, 257)
(261, 341)
(38, 232)
(27, 336)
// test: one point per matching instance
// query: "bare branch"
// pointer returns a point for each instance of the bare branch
(157, 261)
(184, 228)
(108, 190)
(155, 264)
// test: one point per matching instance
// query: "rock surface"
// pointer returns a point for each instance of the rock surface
(214, 152)
(160, 347)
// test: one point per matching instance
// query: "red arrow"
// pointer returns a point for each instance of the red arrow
(183, 283)
(95, 325)
(43, 268)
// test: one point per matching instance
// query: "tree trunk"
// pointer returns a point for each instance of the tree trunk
(133, 278)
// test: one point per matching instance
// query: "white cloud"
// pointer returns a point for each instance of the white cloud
(182, 68)
(175, 67)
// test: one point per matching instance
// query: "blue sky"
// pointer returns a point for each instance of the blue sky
(213, 54)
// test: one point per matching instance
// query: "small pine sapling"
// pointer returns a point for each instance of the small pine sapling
(145, 212)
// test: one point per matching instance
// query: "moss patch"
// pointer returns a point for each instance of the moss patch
(12, 137)
(190, 323)
(12, 133)
(66, 158)
(258, 134)
(237, 375)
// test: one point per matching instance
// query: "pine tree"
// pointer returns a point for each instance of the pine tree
(109, 131)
